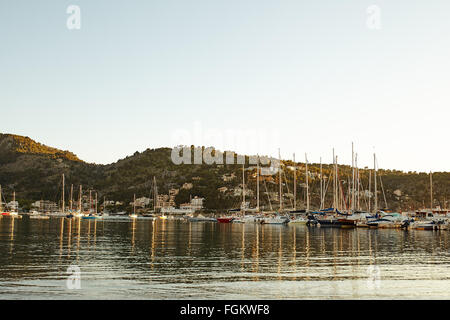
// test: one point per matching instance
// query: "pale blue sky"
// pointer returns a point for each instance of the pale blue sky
(305, 75)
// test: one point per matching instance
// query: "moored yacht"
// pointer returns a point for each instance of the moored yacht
(276, 219)
(225, 219)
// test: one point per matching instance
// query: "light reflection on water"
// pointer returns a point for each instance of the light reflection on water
(161, 259)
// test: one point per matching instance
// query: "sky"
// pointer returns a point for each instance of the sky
(252, 76)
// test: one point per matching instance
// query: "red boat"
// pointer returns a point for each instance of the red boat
(225, 220)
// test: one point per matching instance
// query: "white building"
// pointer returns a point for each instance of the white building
(197, 203)
(45, 205)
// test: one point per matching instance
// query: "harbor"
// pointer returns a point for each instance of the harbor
(359, 205)
(177, 259)
(246, 152)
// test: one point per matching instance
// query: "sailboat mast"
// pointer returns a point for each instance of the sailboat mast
(334, 181)
(353, 180)
(375, 207)
(431, 191)
(155, 193)
(243, 188)
(63, 200)
(279, 179)
(96, 202)
(349, 195)
(257, 185)
(79, 198)
(90, 201)
(295, 184)
(338, 202)
(134, 204)
(1, 200)
(14, 200)
(357, 184)
(71, 198)
(307, 183)
(321, 185)
(370, 187)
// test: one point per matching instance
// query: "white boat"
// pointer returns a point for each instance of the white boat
(118, 217)
(423, 225)
(14, 213)
(78, 214)
(389, 220)
(146, 218)
(252, 219)
(56, 214)
(299, 220)
(39, 217)
(278, 219)
(238, 220)
(201, 218)
(430, 224)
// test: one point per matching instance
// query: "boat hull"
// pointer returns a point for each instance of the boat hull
(298, 221)
(90, 218)
(274, 221)
(39, 217)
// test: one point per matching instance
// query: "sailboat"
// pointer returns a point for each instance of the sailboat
(79, 213)
(430, 219)
(351, 218)
(241, 218)
(256, 217)
(327, 217)
(244, 218)
(277, 218)
(300, 219)
(94, 215)
(14, 212)
(163, 216)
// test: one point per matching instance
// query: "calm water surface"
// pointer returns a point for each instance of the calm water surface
(160, 259)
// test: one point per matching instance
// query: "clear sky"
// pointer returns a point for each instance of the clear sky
(247, 75)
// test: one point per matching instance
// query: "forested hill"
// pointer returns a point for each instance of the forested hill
(34, 171)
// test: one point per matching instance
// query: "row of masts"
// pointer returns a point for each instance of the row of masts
(80, 195)
(353, 202)
(354, 193)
